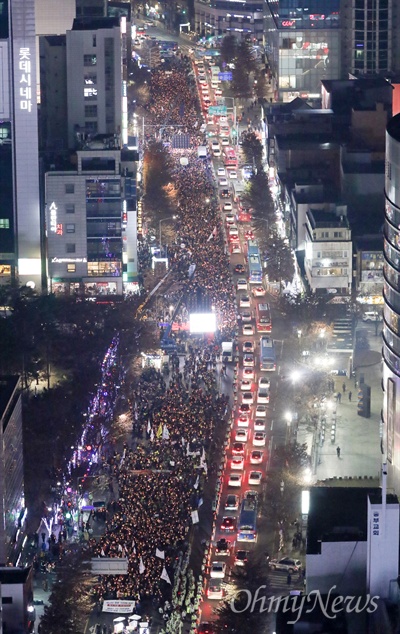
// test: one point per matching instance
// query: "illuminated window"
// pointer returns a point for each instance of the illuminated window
(90, 93)
(71, 268)
(4, 223)
(70, 247)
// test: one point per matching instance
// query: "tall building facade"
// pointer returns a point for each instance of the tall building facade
(97, 78)
(12, 502)
(302, 44)
(242, 18)
(391, 293)
(370, 36)
(20, 233)
(91, 222)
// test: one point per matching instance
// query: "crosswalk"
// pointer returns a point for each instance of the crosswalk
(278, 582)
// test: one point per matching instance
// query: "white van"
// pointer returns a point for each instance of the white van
(372, 315)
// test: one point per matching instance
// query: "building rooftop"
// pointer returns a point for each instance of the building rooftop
(10, 575)
(306, 142)
(393, 127)
(339, 514)
(372, 242)
(320, 219)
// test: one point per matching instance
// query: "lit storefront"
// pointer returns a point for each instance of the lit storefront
(302, 47)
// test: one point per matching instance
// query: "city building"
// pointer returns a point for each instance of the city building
(53, 117)
(225, 17)
(91, 221)
(20, 233)
(328, 252)
(12, 502)
(370, 37)
(368, 253)
(391, 295)
(97, 79)
(302, 45)
(18, 613)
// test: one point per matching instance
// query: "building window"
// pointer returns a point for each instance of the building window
(90, 79)
(90, 111)
(94, 41)
(4, 223)
(71, 268)
(337, 234)
(70, 228)
(89, 60)
(70, 188)
(69, 209)
(70, 247)
(90, 93)
(91, 126)
(324, 234)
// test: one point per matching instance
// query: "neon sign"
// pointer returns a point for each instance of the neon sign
(53, 218)
(286, 23)
(25, 80)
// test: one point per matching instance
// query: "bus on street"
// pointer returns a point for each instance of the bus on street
(267, 355)
(230, 158)
(263, 317)
(247, 525)
(254, 260)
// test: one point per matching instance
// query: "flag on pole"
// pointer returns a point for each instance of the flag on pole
(103, 554)
(152, 435)
(164, 575)
(188, 452)
(195, 517)
(196, 484)
(148, 427)
(142, 567)
(212, 234)
(119, 548)
(200, 502)
(160, 554)
(165, 433)
(159, 430)
(203, 456)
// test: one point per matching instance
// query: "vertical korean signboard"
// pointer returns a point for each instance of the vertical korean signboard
(27, 206)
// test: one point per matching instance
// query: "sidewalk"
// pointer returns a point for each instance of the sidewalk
(358, 438)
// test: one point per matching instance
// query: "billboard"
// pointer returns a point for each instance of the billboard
(202, 323)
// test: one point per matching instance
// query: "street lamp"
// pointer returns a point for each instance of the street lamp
(164, 220)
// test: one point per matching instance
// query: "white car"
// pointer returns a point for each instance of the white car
(218, 570)
(259, 439)
(218, 92)
(245, 385)
(262, 395)
(247, 346)
(230, 219)
(264, 382)
(241, 435)
(259, 291)
(233, 231)
(241, 557)
(261, 411)
(237, 463)
(246, 316)
(215, 590)
(247, 397)
(235, 480)
(216, 153)
(256, 456)
(225, 141)
(248, 360)
(248, 330)
(244, 301)
(221, 171)
(248, 373)
(223, 182)
(228, 207)
(233, 175)
(243, 421)
(241, 284)
(255, 478)
(202, 80)
(214, 144)
(259, 424)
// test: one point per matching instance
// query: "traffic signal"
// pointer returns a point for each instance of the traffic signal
(364, 401)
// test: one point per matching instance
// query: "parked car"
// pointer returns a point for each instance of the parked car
(241, 435)
(238, 449)
(235, 480)
(241, 557)
(248, 330)
(237, 463)
(244, 301)
(241, 284)
(255, 478)
(256, 456)
(215, 590)
(231, 503)
(259, 439)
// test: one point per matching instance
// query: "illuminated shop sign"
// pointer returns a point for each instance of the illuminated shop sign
(68, 260)
(53, 217)
(288, 23)
(25, 79)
